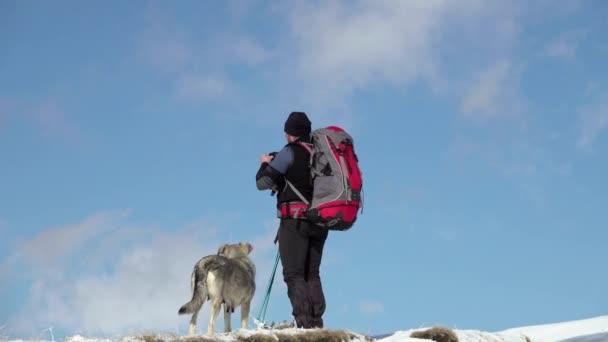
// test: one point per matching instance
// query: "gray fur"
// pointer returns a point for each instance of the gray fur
(226, 278)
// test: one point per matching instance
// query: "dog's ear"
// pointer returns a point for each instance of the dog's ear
(247, 246)
(222, 249)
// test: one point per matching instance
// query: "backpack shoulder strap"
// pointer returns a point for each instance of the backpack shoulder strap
(308, 148)
(297, 192)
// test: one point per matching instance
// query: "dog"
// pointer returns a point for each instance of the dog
(227, 278)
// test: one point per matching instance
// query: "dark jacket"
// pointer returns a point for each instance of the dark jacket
(292, 163)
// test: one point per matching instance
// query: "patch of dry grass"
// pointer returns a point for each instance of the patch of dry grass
(313, 335)
(320, 335)
(197, 338)
(437, 334)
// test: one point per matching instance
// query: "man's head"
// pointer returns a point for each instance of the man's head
(297, 125)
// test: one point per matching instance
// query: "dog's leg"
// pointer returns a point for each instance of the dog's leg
(245, 314)
(227, 317)
(192, 328)
(215, 310)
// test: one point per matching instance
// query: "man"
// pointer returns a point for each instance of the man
(300, 241)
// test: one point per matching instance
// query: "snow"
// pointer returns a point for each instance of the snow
(219, 337)
(401, 336)
(586, 330)
(562, 331)
(463, 336)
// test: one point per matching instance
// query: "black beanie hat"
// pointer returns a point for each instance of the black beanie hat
(297, 124)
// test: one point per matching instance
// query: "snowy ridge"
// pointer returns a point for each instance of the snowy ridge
(586, 330)
(566, 330)
(239, 335)
(463, 336)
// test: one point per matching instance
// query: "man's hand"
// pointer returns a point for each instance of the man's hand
(265, 158)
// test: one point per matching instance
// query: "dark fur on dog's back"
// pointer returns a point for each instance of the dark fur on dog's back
(437, 334)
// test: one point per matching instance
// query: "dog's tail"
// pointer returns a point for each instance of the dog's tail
(199, 295)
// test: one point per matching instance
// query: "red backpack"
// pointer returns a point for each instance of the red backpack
(336, 177)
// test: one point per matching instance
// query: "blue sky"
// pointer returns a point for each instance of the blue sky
(130, 133)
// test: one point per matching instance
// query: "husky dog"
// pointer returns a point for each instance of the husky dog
(226, 278)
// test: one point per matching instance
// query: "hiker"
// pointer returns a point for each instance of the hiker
(300, 241)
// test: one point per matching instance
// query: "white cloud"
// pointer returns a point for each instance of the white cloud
(371, 307)
(83, 274)
(199, 87)
(523, 160)
(265, 242)
(197, 68)
(249, 52)
(482, 96)
(51, 117)
(565, 46)
(493, 94)
(146, 286)
(168, 47)
(164, 44)
(340, 47)
(593, 119)
(46, 114)
(324, 52)
(50, 248)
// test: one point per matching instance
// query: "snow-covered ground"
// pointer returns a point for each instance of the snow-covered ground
(566, 330)
(587, 330)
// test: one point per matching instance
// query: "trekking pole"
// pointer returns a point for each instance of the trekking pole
(259, 321)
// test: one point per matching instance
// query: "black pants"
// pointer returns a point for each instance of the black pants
(301, 249)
